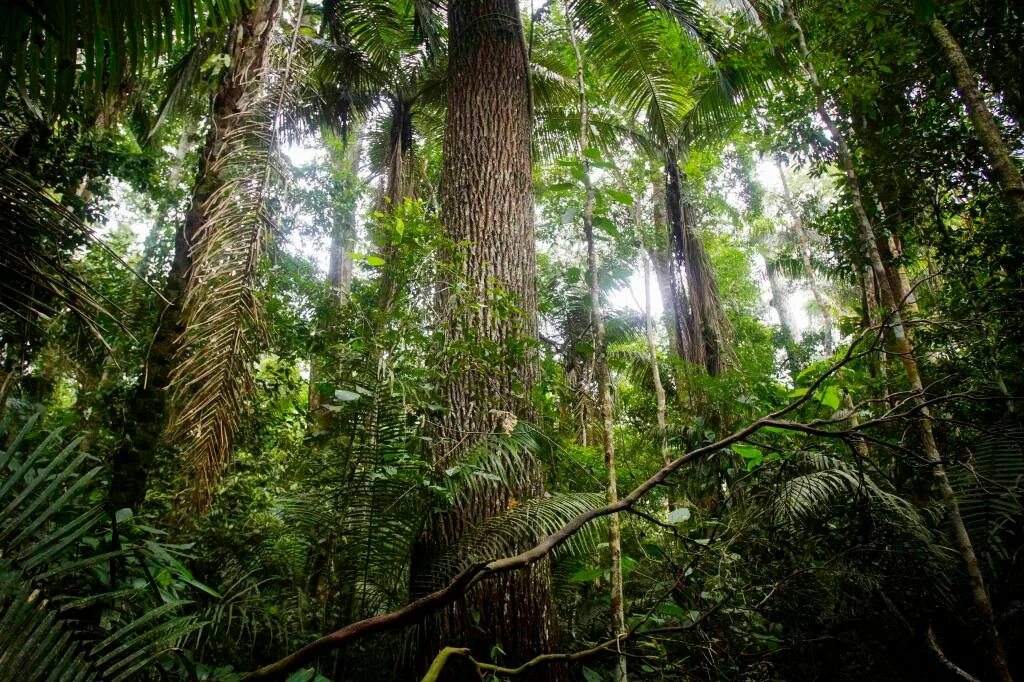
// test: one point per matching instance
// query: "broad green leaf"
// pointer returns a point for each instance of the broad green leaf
(619, 196)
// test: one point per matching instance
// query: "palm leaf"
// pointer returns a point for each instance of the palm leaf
(48, 49)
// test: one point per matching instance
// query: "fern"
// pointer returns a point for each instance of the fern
(43, 526)
(991, 488)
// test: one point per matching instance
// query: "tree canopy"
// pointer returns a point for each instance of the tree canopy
(477, 339)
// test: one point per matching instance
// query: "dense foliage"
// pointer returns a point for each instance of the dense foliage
(577, 340)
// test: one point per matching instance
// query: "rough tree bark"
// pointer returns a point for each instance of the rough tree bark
(903, 348)
(1004, 171)
(661, 259)
(146, 411)
(487, 202)
(702, 325)
(617, 607)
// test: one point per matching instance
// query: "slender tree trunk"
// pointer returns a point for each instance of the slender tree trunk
(652, 353)
(1004, 172)
(904, 349)
(805, 255)
(343, 232)
(662, 261)
(488, 202)
(618, 618)
(780, 302)
(146, 412)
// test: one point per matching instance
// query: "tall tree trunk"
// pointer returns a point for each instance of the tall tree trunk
(652, 352)
(400, 184)
(145, 414)
(604, 390)
(343, 233)
(673, 305)
(1004, 172)
(703, 324)
(780, 302)
(488, 202)
(804, 243)
(903, 347)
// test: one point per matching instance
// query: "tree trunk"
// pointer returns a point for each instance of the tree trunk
(780, 302)
(489, 371)
(146, 412)
(618, 618)
(343, 233)
(1004, 172)
(703, 323)
(805, 255)
(662, 259)
(652, 353)
(903, 347)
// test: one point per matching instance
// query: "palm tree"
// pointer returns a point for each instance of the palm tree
(210, 421)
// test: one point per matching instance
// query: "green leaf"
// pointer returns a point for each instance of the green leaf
(592, 675)
(674, 610)
(621, 197)
(830, 397)
(747, 451)
(592, 153)
(374, 261)
(606, 226)
(751, 454)
(399, 228)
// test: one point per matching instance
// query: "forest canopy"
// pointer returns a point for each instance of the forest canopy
(447, 340)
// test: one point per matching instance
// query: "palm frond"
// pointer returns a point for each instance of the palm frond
(49, 49)
(43, 526)
(991, 488)
(831, 486)
(221, 311)
(38, 274)
(626, 38)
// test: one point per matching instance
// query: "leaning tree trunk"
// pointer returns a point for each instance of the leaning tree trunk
(146, 412)
(903, 347)
(1004, 172)
(489, 371)
(604, 390)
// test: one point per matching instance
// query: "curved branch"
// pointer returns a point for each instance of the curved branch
(477, 572)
